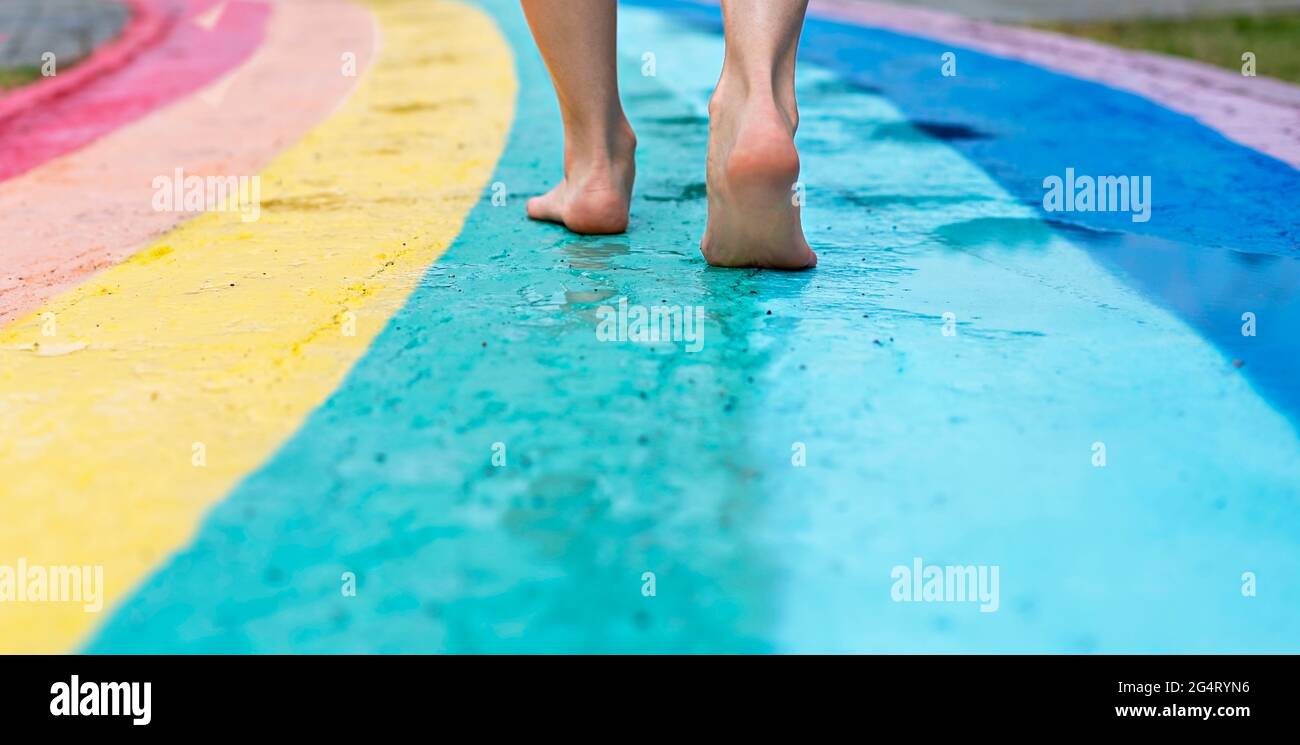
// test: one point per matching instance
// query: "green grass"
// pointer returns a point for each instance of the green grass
(1218, 40)
(16, 76)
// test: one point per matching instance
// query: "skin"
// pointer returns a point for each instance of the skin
(752, 166)
(577, 41)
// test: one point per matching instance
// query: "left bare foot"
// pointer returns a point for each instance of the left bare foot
(596, 193)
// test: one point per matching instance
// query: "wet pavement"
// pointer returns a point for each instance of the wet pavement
(394, 377)
(622, 461)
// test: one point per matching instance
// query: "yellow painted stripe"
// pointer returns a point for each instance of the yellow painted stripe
(228, 333)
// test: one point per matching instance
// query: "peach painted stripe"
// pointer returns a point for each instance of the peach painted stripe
(1260, 112)
(121, 85)
(89, 210)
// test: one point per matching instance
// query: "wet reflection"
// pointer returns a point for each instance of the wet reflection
(878, 201)
(920, 131)
(689, 193)
(595, 255)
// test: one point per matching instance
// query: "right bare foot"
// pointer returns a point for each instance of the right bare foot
(753, 170)
(596, 193)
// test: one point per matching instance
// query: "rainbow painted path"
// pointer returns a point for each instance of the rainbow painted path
(233, 417)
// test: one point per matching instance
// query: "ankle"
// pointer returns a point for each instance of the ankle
(753, 92)
(607, 142)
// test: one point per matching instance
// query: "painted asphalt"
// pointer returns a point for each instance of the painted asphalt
(168, 50)
(68, 29)
(372, 455)
(297, 64)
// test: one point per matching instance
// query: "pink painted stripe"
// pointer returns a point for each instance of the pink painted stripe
(74, 216)
(162, 56)
(1260, 112)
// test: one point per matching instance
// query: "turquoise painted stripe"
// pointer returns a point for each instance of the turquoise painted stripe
(622, 459)
(619, 457)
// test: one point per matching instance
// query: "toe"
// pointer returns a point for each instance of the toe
(537, 208)
(546, 207)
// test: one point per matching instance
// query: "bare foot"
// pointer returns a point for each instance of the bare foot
(752, 173)
(595, 195)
